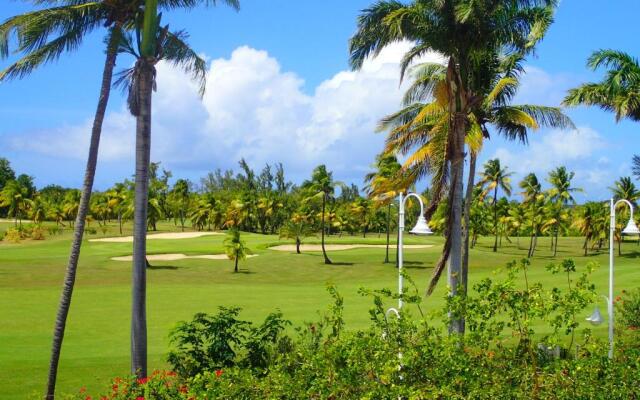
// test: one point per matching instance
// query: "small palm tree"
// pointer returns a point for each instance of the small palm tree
(15, 197)
(617, 92)
(322, 186)
(492, 178)
(235, 247)
(561, 193)
(383, 185)
(296, 229)
(624, 188)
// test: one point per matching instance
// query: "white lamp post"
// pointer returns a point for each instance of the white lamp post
(630, 229)
(421, 228)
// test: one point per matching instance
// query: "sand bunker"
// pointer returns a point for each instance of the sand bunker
(333, 247)
(174, 257)
(170, 235)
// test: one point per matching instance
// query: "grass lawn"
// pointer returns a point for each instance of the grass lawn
(96, 345)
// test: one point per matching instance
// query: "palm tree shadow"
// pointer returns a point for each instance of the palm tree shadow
(415, 265)
(161, 267)
(244, 271)
(342, 263)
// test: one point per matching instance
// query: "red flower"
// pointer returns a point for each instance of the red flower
(88, 398)
(183, 389)
(140, 398)
(218, 372)
(142, 381)
(82, 390)
(171, 373)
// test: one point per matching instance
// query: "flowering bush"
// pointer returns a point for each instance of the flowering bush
(160, 385)
(628, 307)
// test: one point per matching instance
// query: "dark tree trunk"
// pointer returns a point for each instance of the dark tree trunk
(139, 277)
(298, 245)
(495, 218)
(457, 173)
(235, 268)
(324, 252)
(467, 214)
(386, 256)
(87, 187)
(555, 246)
(120, 221)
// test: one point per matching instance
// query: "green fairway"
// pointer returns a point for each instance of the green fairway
(96, 345)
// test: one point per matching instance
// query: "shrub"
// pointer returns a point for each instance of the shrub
(91, 231)
(37, 233)
(13, 235)
(628, 307)
(213, 342)
(160, 385)
(54, 230)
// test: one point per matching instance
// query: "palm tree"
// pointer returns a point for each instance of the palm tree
(423, 129)
(624, 188)
(533, 201)
(617, 92)
(322, 186)
(235, 247)
(591, 222)
(470, 35)
(561, 193)
(70, 21)
(492, 178)
(296, 229)
(382, 186)
(155, 43)
(15, 197)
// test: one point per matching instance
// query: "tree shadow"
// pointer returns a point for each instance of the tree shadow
(244, 271)
(161, 267)
(342, 263)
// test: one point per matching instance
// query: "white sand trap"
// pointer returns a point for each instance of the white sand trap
(170, 235)
(334, 247)
(174, 257)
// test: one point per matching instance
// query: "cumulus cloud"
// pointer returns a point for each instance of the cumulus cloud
(251, 109)
(580, 150)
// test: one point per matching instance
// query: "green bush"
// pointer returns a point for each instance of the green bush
(13, 235)
(54, 230)
(628, 307)
(37, 233)
(160, 385)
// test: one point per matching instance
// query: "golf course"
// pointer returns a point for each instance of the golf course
(97, 340)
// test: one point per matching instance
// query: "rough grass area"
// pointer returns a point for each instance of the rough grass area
(96, 346)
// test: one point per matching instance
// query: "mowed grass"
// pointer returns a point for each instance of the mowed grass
(96, 345)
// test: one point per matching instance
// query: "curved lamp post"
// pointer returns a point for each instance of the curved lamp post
(630, 229)
(421, 228)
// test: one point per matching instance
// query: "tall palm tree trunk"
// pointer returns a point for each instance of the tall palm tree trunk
(324, 252)
(235, 268)
(495, 218)
(455, 259)
(83, 208)
(139, 278)
(386, 256)
(555, 246)
(467, 211)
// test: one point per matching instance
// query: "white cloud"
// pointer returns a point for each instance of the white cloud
(252, 109)
(580, 150)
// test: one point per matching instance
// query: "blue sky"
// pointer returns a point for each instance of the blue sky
(280, 90)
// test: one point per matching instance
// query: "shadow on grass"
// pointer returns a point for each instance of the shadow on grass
(342, 263)
(244, 271)
(161, 267)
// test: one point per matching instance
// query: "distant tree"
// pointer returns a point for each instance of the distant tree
(624, 188)
(323, 186)
(492, 178)
(179, 198)
(235, 247)
(15, 198)
(6, 172)
(561, 193)
(383, 185)
(296, 229)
